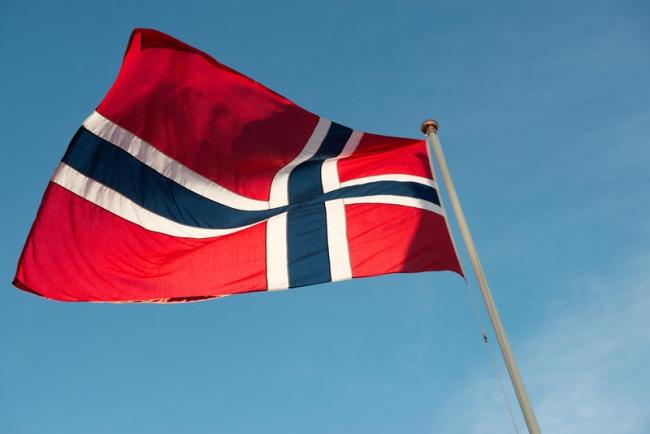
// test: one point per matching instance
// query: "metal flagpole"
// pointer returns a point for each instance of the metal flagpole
(430, 129)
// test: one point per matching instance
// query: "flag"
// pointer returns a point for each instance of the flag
(192, 181)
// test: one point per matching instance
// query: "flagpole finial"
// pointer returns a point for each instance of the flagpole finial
(428, 126)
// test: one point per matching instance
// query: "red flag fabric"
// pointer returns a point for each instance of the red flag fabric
(192, 181)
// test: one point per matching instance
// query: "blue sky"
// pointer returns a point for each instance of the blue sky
(545, 120)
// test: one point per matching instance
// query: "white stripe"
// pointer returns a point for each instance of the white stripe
(337, 240)
(279, 187)
(397, 200)
(166, 166)
(112, 201)
(277, 262)
(330, 175)
(329, 171)
(390, 177)
(351, 144)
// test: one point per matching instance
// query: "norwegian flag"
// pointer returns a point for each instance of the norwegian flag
(192, 181)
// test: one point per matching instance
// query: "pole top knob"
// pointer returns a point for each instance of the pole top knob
(428, 126)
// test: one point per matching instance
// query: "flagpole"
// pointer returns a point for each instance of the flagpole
(430, 129)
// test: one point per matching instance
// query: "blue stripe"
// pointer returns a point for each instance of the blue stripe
(118, 170)
(305, 179)
(307, 248)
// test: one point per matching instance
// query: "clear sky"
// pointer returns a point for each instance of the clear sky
(545, 118)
